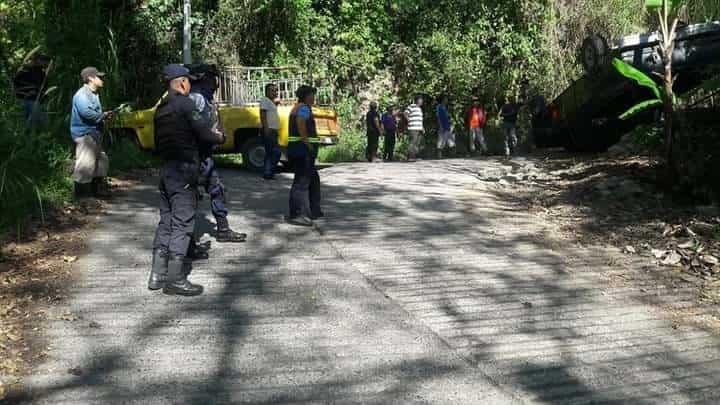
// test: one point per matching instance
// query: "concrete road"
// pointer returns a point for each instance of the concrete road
(420, 286)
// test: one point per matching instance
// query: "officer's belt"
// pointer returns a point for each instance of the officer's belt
(299, 139)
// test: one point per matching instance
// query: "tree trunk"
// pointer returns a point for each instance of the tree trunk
(667, 47)
(669, 112)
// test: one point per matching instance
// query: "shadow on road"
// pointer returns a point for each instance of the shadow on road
(473, 267)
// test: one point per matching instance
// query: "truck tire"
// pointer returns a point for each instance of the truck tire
(253, 153)
(594, 53)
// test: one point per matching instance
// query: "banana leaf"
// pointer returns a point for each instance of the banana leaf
(640, 107)
(633, 74)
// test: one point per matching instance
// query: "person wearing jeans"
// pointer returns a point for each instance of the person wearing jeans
(446, 138)
(475, 120)
(29, 84)
(509, 113)
(416, 128)
(270, 126)
(305, 190)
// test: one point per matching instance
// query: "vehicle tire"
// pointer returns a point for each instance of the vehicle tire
(594, 53)
(253, 153)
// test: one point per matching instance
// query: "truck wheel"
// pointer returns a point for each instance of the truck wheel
(594, 53)
(253, 153)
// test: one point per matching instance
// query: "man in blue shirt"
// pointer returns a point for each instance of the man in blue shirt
(86, 125)
(446, 138)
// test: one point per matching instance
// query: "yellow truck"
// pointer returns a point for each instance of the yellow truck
(240, 118)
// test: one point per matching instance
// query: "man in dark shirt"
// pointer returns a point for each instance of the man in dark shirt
(389, 124)
(509, 113)
(179, 131)
(372, 120)
(29, 83)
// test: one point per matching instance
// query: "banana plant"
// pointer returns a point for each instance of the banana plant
(643, 80)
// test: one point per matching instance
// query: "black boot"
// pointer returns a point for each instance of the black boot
(198, 252)
(228, 235)
(225, 234)
(178, 283)
(82, 191)
(158, 273)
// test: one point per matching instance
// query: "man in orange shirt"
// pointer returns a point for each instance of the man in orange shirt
(475, 121)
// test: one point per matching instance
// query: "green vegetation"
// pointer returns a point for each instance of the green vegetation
(384, 50)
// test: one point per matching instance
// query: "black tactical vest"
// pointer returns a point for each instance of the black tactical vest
(174, 137)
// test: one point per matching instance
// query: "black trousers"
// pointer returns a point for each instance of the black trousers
(305, 190)
(389, 148)
(372, 146)
(210, 180)
(178, 206)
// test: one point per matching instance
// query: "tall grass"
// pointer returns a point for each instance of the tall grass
(34, 164)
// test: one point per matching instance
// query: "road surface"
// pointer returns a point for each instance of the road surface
(420, 286)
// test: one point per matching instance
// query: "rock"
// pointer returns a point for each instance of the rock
(659, 254)
(631, 250)
(704, 228)
(76, 371)
(687, 245)
(617, 150)
(673, 259)
(710, 260)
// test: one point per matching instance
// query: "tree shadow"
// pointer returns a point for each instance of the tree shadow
(474, 271)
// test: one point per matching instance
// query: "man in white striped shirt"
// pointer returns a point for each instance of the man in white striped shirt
(414, 117)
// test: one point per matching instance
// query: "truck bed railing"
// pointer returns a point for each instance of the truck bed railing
(242, 85)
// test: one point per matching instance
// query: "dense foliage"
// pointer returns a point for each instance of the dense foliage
(385, 50)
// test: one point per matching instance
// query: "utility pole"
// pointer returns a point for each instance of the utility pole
(187, 34)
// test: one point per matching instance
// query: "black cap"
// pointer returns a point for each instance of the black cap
(89, 72)
(304, 91)
(175, 70)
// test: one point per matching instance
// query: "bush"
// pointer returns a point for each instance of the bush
(125, 155)
(351, 148)
(33, 172)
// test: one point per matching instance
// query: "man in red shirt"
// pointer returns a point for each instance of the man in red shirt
(475, 120)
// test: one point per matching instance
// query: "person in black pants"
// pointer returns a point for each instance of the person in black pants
(372, 121)
(204, 85)
(179, 131)
(302, 152)
(389, 126)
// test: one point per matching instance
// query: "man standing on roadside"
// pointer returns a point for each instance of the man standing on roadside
(204, 86)
(270, 121)
(372, 121)
(475, 120)
(29, 83)
(509, 113)
(86, 126)
(446, 138)
(416, 128)
(389, 124)
(179, 131)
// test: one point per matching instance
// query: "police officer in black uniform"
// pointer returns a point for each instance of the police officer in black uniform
(179, 131)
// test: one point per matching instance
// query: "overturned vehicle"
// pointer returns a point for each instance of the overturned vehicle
(585, 117)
